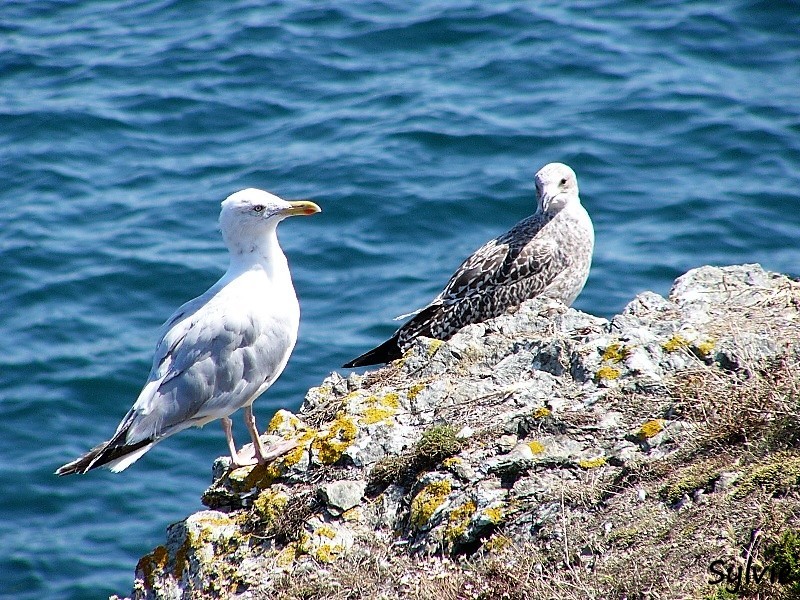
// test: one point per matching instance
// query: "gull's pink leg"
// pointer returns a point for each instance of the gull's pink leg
(264, 455)
(227, 427)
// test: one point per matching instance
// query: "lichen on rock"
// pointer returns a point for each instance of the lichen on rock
(550, 448)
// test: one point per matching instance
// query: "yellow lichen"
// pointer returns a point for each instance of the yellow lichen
(287, 556)
(425, 503)
(434, 346)
(353, 515)
(327, 553)
(326, 531)
(331, 444)
(414, 390)
(152, 564)
(676, 342)
(451, 462)
(181, 555)
(254, 476)
(270, 506)
(651, 429)
(458, 521)
(616, 352)
(376, 415)
(295, 455)
(321, 545)
(542, 412)
(495, 514)
(392, 400)
(607, 373)
(497, 542)
(536, 447)
(704, 349)
(281, 420)
(592, 463)
(380, 408)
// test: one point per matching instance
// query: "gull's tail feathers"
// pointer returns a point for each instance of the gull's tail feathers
(386, 352)
(115, 454)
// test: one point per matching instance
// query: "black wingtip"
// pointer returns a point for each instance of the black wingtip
(83, 463)
(100, 456)
(386, 352)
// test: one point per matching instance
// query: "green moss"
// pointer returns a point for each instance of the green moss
(624, 537)
(686, 481)
(651, 429)
(429, 498)
(458, 521)
(779, 475)
(616, 352)
(437, 443)
(607, 373)
(720, 593)
(784, 556)
(592, 463)
(676, 342)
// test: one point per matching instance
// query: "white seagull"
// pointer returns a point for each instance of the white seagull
(220, 351)
(547, 254)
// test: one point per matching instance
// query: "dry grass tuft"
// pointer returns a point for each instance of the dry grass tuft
(756, 409)
(285, 522)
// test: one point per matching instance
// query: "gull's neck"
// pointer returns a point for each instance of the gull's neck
(263, 253)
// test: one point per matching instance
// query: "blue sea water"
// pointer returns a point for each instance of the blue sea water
(417, 126)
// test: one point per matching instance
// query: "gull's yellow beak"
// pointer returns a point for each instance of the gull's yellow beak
(301, 207)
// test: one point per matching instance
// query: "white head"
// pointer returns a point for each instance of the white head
(250, 216)
(556, 187)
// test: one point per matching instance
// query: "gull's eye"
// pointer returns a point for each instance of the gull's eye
(563, 181)
(258, 208)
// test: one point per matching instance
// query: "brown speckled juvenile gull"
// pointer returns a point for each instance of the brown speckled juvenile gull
(220, 351)
(547, 254)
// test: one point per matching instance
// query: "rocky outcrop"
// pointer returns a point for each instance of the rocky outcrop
(536, 454)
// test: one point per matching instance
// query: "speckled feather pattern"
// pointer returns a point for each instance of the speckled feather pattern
(509, 270)
(547, 254)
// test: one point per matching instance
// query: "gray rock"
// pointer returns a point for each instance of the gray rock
(548, 403)
(341, 496)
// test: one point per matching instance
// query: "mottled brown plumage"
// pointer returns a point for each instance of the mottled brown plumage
(547, 254)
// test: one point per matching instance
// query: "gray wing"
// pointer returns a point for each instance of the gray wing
(207, 365)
